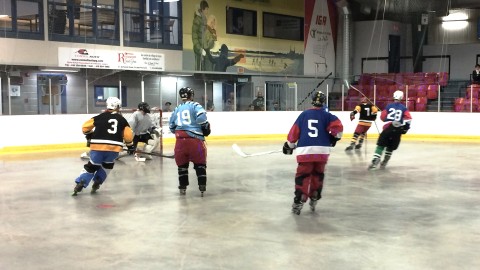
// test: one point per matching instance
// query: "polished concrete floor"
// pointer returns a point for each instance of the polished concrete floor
(422, 212)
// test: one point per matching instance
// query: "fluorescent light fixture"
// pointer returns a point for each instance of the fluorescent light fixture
(454, 25)
(3, 16)
(455, 21)
(59, 69)
(167, 1)
(179, 75)
(455, 16)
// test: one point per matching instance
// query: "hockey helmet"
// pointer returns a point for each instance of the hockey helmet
(143, 106)
(398, 95)
(186, 93)
(113, 103)
(318, 99)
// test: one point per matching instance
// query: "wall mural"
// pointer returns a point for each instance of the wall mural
(251, 37)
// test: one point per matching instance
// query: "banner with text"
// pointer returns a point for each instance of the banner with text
(320, 37)
(110, 59)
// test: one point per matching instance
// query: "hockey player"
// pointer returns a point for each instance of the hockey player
(144, 128)
(109, 130)
(190, 125)
(368, 114)
(312, 135)
(398, 119)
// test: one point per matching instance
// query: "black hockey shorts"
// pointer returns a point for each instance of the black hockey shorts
(390, 138)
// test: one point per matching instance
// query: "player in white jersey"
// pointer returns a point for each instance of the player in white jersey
(144, 128)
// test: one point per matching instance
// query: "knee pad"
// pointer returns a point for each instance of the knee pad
(200, 169)
(183, 169)
(108, 166)
(299, 179)
(91, 168)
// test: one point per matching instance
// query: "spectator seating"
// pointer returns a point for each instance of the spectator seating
(419, 88)
(470, 102)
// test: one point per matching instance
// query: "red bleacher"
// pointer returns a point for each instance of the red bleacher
(418, 88)
(470, 102)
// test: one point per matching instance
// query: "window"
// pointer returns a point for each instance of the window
(102, 92)
(282, 26)
(241, 21)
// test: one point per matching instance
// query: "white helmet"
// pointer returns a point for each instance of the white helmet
(113, 103)
(398, 95)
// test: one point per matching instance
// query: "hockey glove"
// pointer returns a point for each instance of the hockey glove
(352, 116)
(287, 150)
(89, 138)
(333, 140)
(206, 129)
(131, 149)
(405, 128)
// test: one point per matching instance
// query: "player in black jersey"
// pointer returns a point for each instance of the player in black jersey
(107, 133)
(368, 114)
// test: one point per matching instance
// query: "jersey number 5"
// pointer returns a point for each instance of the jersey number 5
(313, 130)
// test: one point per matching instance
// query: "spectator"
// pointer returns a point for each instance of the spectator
(259, 102)
(476, 74)
(167, 107)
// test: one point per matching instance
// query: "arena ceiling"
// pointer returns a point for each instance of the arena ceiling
(401, 10)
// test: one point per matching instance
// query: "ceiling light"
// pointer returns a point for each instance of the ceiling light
(454, 25)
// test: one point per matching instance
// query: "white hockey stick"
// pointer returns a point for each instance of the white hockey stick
(239, 151)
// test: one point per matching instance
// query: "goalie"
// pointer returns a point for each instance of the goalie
(145, 130)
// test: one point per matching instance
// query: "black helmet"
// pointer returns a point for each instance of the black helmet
(143, 106)
(186, 93)
(318, 99)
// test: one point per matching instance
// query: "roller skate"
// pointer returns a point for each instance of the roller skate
(358, 147)
(183, 190)
(78, 188)
(202, 189)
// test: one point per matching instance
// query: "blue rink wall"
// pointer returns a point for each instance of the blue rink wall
(56, 132)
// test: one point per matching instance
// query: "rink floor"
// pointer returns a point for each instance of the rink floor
(422, 212)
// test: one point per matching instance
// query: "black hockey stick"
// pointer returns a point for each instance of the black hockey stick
(318, 85)
(157, 154)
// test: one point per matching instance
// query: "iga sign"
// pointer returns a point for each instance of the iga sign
(110, 59)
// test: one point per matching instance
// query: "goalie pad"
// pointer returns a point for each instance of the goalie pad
(152, 143)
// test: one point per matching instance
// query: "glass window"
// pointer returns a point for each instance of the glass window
(241, 21)
(282, 26)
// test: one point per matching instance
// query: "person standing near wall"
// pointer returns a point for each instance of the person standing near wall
(259, 102)
(312, 135)
(476, 74)
(190, 125)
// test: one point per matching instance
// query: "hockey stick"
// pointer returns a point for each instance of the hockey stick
(157, 154)
(239, 151)
(318, 85)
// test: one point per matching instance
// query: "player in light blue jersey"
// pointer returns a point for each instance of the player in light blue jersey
(190, 125)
